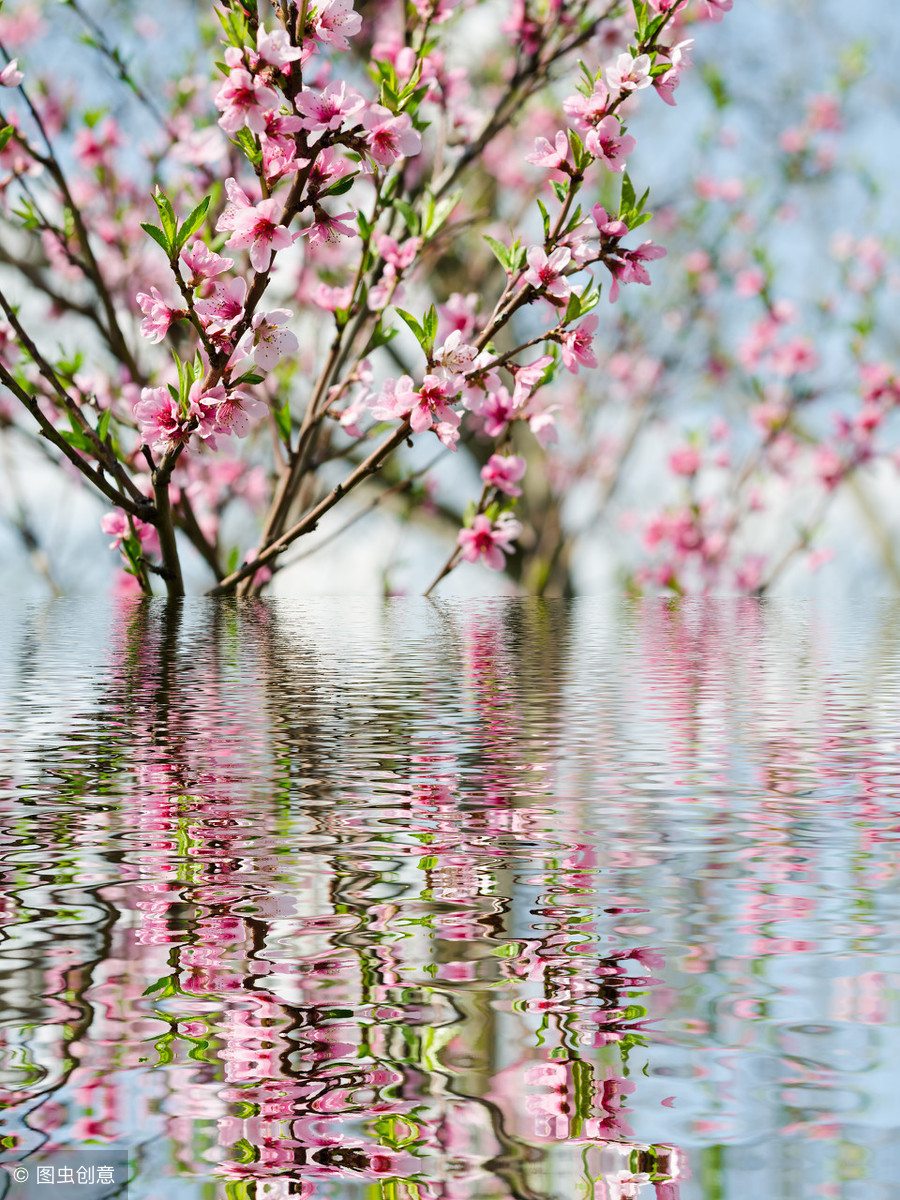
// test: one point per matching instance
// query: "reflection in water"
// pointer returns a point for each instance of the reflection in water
(482, 900)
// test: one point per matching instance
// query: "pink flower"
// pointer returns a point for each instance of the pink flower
(584, 112)
(397, 255)
(332, 298)
(459, 312)
(549, 156)
(157, 315)
(390, 137)
(325, 170)
(92, 146)
(329, 108)
(489, 542)
(627, 266)
(545, 273)
(256, 226)
(235, 412)
(10, 76)
(270, 340)
(714, 10)
(543, 426)
(750, 282)
(116, 525)
(503, 472)
(280, 127)
(528, 376)
(396, 399)
(497, 411)
(610, 227)
(202, 262)
(685, 460)
(630, 74)
(455, 357)
(578, 345)
(224, 308)
(243, 100)
(329, 229)
(159, 419)
(829, 467)
(427, 408)
(203, 410)
(335, 22)
(794, 357)
(275, 48)
(667, 83)
(279, 161)
(436, 13)
(351, 415)
(431, 405)
(879, 383)
(480, 378)
(609, 145)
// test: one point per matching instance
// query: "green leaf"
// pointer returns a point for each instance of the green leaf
(469, 514)
(430, 328)
(248, 142)
(381, 337)
(626, 203)
(103, 424)
(27, 214)
(244, 1151)
(165, 986)
(559, 190)
(588, 79)
(640, 14)
(283, 421)
(158, 236)
(508, 950)
(442, 211)
(75, 438)
(655, 26)
(343, 185)
(192, 222)
(518, 256)
(500, 251)
(409, 215)
(718, 88)
(545, 217)
(5, 134)
(389, 97)
(413, 324)
(239, 1189)
(166, 215)
(411, 98)
(573, 309)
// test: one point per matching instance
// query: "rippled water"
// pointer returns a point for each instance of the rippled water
(475, 900)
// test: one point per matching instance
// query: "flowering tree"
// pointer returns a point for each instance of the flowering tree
(315, 207)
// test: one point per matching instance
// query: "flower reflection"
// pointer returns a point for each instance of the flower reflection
(406, 936)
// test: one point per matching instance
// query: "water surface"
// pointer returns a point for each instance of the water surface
(495, 900)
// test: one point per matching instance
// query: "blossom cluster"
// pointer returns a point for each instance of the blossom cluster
(321, 167)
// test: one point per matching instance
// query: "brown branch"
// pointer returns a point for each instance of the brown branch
(308, 523)
(143, 511)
